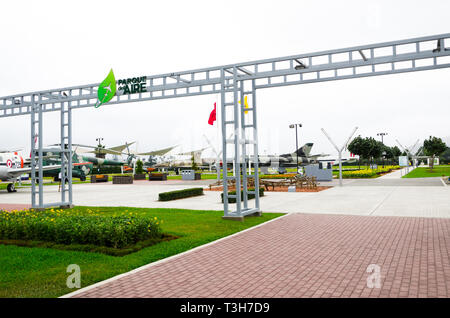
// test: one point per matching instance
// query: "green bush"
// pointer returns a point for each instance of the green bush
(180, 194)
(139, 167)
(60, 227)
(250, 195)
(106, 170)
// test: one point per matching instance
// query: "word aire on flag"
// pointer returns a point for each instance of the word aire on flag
(212, 116)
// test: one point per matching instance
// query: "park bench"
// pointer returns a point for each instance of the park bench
(230, 183)
(275, 183)
(304, 181)
(298, 181)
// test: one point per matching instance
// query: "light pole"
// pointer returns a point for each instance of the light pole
(382, 134)
(296, 142)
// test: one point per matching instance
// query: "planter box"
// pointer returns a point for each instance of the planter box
(157, 177)
(140, 176)
(122, 179)
(99, 178)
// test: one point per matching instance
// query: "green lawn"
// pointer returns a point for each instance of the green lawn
(425, 172)
(41, 272)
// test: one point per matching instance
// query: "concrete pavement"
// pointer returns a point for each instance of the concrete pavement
(426, 197)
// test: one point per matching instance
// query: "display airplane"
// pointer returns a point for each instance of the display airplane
(289, 160)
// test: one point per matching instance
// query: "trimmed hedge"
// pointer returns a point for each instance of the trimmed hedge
(250, 195)
(61, 227)
(180, 194)
(106, 170)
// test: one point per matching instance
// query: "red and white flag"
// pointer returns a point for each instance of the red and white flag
(212, 116)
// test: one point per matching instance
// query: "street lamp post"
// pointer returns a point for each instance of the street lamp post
(296, 141)
(382, 134)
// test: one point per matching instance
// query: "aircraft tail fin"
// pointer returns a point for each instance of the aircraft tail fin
(75, 158)
(305, 150)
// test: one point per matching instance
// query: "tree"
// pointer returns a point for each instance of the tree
(375, 148)
(446, 155)
(356, 146)
(139, 165)
(433, 146)
(366, 148)
(194, 164)
(396, 151)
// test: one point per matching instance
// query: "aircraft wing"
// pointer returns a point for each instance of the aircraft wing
(121, 147)
(337, 160)
(191, 153)
(79, 150)
(160, 152)
(319, 155)
(10, 150)
(106, 151)
(97, 150)
(13, 173)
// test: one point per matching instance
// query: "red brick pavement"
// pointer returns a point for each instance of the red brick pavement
(305, 255)
(14, 206)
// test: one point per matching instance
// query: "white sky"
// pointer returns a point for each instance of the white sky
(54, 44)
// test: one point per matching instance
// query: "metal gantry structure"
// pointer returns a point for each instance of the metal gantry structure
(233, 82)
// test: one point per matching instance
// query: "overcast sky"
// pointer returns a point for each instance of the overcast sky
(55, 44)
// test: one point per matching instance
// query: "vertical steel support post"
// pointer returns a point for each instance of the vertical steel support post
(244, 146)
(66, 154)
(69, 141)
(255, 147)
(237, 156)
(296, 147)
(33, 151)
(62, 154)
(40, 155)
(224, 143)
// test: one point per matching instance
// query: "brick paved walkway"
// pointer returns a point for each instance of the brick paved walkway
(14, 206)
(305, 255)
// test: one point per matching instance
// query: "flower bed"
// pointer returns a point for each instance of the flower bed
(61, 227)
(368, 173)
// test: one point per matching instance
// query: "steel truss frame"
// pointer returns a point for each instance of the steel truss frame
(233, 82)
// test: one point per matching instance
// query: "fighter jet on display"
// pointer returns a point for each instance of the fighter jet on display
(290, 159)
(187, 163)
(134, 156)
(12, 167)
